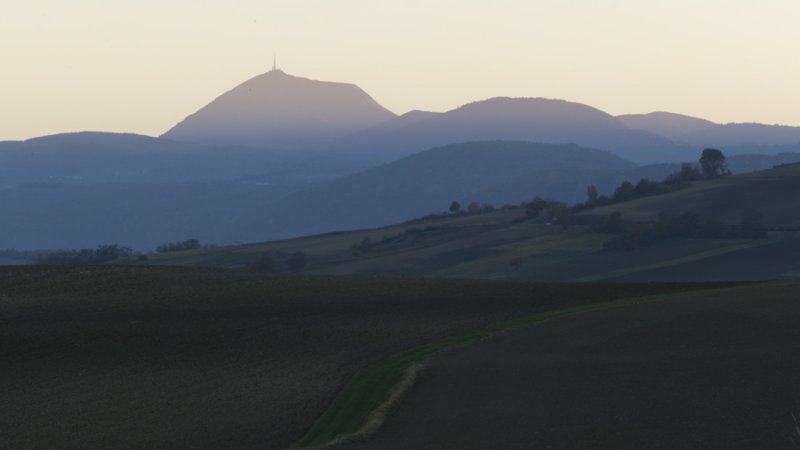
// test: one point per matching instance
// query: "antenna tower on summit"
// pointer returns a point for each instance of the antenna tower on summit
(274, 62)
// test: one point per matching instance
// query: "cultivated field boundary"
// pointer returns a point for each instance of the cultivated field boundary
(361, 407)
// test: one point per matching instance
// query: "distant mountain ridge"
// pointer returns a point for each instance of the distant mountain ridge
(744, 134)
(524, 119)
(318, 157)
(738, 137)
(95, 157)
(670, 125)
(280, 111)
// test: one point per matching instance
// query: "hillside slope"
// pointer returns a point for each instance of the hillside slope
(773, 192)
(505, 244)
(496, 172)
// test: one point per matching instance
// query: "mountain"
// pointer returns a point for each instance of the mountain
(141, 216)
(88, 157)
(277, 110)
(91, 157)
(496, 172)
(744, 134)
(734, 138)
(524, 119)
(670, 125)
(397, 124)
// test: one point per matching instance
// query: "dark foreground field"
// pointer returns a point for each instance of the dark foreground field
(195, 358)
(704, 370)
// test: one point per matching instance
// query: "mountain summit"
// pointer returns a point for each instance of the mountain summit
(279, 110)
(539, 120)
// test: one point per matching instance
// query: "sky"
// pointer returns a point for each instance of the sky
(141, 66)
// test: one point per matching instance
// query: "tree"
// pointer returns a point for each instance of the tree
(591, 194)
(189, 244)
(625, 191)
(712, 163)
(689, 172)
(473, 208)
(297, 262)
(455, 207)
(647, 187)
(102, 254)
(535, 207)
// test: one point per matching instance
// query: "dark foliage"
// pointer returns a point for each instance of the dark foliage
(102, 254)
(591, 194)
(535, 207)
(189, 244)
(688, 173)
(625, 191)
(712, 163)
(22, 256)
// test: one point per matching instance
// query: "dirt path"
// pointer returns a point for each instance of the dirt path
(714, 372)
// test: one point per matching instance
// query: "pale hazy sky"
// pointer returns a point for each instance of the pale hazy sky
(141, 66)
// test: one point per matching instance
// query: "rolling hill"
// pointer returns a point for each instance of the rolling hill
(496, 172)
(483, 245)
(773, 192)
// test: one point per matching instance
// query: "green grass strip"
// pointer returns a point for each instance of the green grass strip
(360, 409)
